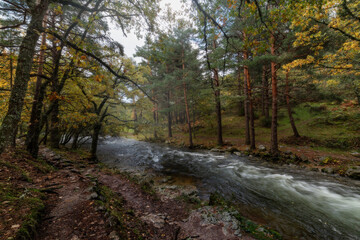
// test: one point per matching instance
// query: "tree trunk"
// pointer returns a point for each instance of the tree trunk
(186, 104)
(11, 69)
(246, 109)
(54, 126)
(287, 93)
(33, 134)
(241, 111)
(249, 103)
(265, 94)
(218, 107)
(169, 115)
(274, 148)
(220, 141)
(188, 116)
(74, 144)
(94, 142)
(23, 69)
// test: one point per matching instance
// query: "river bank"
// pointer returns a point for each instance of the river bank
(63, 196)
(299, 156)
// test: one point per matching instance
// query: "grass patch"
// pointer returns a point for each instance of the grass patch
(24, 175)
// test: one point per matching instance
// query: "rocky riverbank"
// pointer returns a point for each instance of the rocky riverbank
(69, 198)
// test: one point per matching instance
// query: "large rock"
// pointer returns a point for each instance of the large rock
(353, 172)
(262, 148)
(328, 170)
(355, 154)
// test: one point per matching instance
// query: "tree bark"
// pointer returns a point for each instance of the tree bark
(220, 141)
(218, 107)
(54, 126)
(250, 104)
(241, 111)
(186, 104)
(33, 134)
(94, 142)
(246, 110)
(287, 93)
(169, 115)
(274, 148)
(74, 144)
(265, 94)
(23, 69)
(188, 116)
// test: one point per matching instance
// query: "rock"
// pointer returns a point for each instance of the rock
(262, 148)
(94, 195)
(15, 226)
(304, 158)
(355, 154)
(75, 237)
(113, 236)
(314, 169)
(328, 170)
(353, 172)
(216, 150)
(288, 152)
(238, 154)
(156, 219)
(231, 149)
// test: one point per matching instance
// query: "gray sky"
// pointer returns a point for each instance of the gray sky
(131, 41)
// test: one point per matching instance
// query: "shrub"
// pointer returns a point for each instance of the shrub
(265, 122)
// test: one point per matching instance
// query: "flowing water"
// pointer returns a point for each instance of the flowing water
(298, 204)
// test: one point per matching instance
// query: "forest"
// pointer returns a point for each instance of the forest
(275, 79)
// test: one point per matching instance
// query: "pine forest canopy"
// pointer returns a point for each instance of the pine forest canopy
(63, 79)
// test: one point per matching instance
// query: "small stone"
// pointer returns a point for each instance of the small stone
(94, 195)
(75, 238)
(15, 226)
(238, 154)
(113, 236)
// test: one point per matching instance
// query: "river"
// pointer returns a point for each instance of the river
(299, 204)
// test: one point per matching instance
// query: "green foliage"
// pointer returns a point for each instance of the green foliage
(265, 122)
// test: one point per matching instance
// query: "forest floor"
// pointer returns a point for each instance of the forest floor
(61, 195)
(329, 142)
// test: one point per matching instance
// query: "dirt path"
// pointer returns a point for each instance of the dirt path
(72, 212)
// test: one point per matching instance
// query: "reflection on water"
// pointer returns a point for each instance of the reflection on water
(299, 205)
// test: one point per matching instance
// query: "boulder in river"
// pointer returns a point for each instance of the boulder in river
(353, 172)
(328, 170)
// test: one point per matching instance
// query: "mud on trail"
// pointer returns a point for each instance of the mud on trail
(90, 201)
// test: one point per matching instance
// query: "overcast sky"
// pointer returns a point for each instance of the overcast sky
(131, 41)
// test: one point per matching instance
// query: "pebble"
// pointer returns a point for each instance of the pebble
(15, 226)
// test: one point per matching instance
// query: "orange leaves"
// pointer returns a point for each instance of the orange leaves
(54, 96)
(99, 78)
